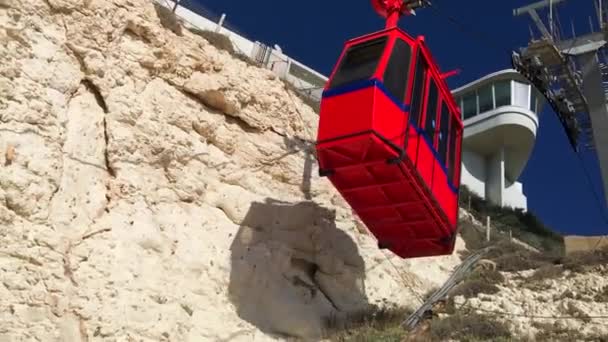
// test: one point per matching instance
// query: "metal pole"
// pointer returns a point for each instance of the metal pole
(220, 23)
(573, 32)
(488, 228)
(551, 17)
(175, 6)
(598, 110)
(601, 16)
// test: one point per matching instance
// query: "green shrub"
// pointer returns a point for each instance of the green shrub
(517, 262)
(168, 19)
(524, 226)
(392, 334)
(547, 272)
(506, 247)
(220, 41)
(472, 288)
(490, 276)
(306, 99)
(553, 332)
(467, 327)
(602, 296)
(579, 262)
(472, 236)
(479, 281)
(373, 324)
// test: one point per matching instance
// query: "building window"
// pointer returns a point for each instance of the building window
(397, 70)
(418, 90)
(486, 101)
(458, 101)
(431, 112)
(359, 62)
(460, 104)
(469, 106)
(502, 89)
(533, 101)
(443, 133)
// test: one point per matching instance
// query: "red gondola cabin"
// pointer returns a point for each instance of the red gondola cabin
(389, 140)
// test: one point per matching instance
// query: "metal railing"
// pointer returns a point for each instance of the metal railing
(305, 80)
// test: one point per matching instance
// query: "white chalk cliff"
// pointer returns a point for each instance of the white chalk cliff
(155, 188)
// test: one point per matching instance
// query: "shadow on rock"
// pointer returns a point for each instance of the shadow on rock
(292, 269)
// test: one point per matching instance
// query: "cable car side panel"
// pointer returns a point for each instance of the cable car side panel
(347, 112)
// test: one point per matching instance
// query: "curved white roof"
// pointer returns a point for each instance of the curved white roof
(506, 74)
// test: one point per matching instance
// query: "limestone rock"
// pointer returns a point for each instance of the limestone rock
(154, 188)
(571, 295)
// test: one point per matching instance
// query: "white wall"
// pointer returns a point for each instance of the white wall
(485, 177)
(474, 172)
(513, 196)
(521, 94)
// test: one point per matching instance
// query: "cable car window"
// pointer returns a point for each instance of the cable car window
(443, 134)
(452, 148)
(397, 69)
(430, 124)
(418, 90)
(359, 62)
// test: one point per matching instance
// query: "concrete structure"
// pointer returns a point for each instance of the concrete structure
(500, 120)
(500, 123)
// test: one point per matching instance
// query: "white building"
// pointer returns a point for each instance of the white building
(500, 124)
(499, 113)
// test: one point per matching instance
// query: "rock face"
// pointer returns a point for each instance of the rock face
(569, 303)
(154, 188)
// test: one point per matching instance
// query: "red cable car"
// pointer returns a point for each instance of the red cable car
(390, 136)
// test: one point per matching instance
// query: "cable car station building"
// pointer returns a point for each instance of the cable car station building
(500, 123)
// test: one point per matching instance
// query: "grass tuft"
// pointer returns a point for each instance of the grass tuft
(373, 324)
(467, 327)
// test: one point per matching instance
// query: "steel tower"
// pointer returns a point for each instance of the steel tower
(572, 74)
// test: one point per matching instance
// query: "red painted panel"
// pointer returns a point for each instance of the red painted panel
(451, 208)
(346, 114)
(413, 139)
(425, 162)
(440, 186)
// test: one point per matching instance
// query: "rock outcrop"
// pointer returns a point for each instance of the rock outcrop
(154, 188)
(564, 306)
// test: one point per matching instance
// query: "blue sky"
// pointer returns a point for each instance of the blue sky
(314, 32)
